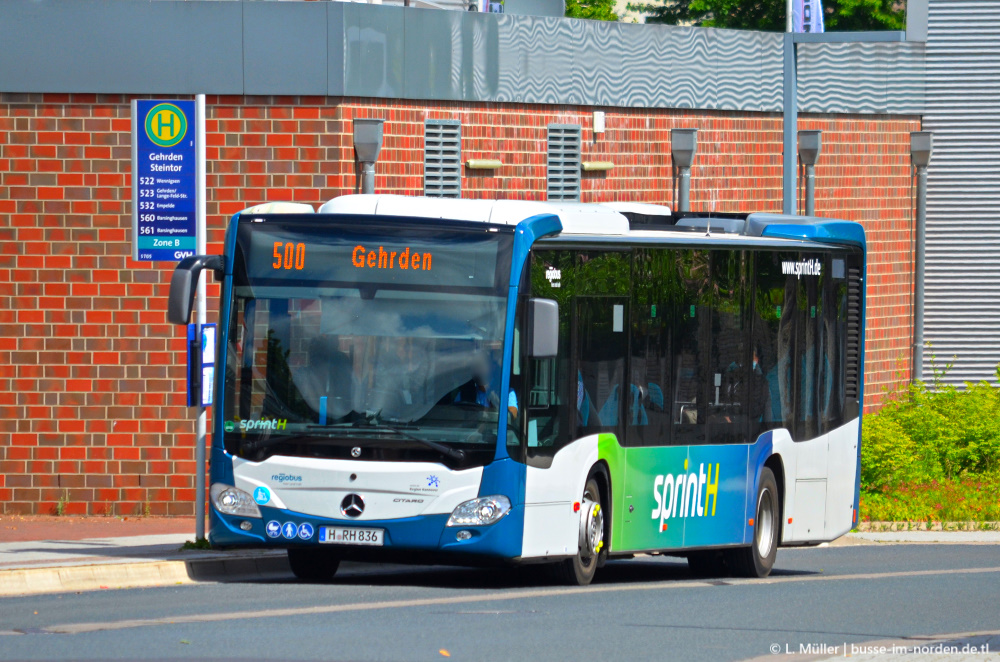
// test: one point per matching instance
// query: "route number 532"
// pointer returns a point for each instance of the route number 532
(289, 255)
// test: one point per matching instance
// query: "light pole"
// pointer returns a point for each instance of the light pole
(921, 146)
(683, 146)
(810, 146)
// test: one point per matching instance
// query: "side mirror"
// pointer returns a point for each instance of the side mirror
(543, 320)
(184, 282)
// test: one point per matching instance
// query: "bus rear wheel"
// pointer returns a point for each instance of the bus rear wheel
(580, 569)
(313, 565)
(758, 559)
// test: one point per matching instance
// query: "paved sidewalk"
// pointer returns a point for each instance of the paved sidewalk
(52, 554)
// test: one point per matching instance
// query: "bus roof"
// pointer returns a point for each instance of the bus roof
(607, 219)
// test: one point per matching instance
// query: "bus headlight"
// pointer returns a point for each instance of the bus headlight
(480, 512)
(233, 501)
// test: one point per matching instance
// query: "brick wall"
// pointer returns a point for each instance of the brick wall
(92, 414)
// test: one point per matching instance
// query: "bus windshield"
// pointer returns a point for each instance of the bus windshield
(366, 342)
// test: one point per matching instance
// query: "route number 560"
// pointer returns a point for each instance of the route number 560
(289, 255)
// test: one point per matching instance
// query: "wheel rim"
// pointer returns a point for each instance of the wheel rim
(765, 524)
(592, 529)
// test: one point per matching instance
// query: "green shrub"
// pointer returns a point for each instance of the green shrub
(933, 453)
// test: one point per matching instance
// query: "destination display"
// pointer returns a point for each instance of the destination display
(163, 180)
(462, 260)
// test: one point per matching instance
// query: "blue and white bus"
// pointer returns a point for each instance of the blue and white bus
(476, 382)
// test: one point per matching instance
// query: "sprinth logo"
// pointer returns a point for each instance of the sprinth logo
(802, 268)
(166, 125)
(685, 494)
(273, 424)
(286, 478)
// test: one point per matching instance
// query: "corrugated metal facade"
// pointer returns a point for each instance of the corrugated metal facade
(962, 316)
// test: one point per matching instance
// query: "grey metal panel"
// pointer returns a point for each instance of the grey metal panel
(480, 57)
(962, 283)
(336, 49)
(866, 77)
(105, 46)
(554, 8)
(286, 48)
(771, 68)
(693, 74)
(647, 83)
(598, 76)
(543, 48)
(738, 60)
(841, 78)
(432, 54)
(916, 20)
(373, 50)
(396, 52)
(597, 73)
(904, 86)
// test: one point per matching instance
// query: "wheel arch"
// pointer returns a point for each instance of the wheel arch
(777, 467)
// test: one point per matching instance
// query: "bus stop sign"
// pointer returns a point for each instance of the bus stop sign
(163, 180)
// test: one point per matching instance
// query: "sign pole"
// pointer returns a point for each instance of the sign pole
(200, 232)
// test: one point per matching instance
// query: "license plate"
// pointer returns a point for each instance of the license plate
(343, 535)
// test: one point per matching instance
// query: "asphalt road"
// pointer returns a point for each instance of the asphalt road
(642, 609)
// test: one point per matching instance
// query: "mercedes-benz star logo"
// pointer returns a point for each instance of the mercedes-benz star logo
(352, 505)
(356, 451)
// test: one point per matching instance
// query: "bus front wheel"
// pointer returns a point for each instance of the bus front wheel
(580, 569)
(758, 559)
(313, 565)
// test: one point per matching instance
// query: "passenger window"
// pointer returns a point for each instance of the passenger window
(579, 391)
(692, 348)
(729, 362)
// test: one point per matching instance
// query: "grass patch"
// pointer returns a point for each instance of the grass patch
(200, 543)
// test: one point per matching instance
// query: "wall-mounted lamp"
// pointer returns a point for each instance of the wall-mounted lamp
(683, 146)
(597, 166)
(810, 146)
(367, 145)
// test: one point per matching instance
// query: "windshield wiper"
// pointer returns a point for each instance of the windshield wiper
(453, 453)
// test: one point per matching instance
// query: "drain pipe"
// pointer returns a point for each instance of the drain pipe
(921, 147)
(810, 146)
(683, 145)
(367, 145)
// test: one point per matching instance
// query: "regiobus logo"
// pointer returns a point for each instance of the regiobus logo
(802, 268)
(685, 494)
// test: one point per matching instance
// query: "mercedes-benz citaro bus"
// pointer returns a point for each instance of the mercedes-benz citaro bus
(501, 382)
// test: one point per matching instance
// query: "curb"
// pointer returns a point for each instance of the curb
(33, 581)
(882, 527)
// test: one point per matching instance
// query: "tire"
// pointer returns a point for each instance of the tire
(758, 559)
(709, 563)
(313, 565)
(580, 570)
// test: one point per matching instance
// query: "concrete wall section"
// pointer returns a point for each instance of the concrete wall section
(334, 49)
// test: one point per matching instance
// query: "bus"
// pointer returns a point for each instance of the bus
(469, 382)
